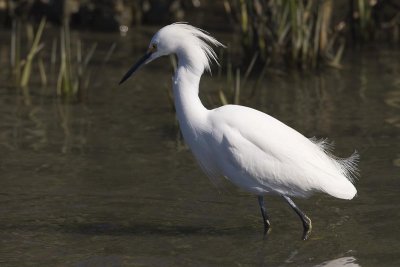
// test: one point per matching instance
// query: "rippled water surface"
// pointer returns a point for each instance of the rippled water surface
(106, 183)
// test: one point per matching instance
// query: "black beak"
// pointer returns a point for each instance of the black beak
(135, 67)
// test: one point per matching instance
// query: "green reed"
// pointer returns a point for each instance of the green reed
(34, 50)
(74, 74)
(15, 54)
(298, 32)
(72, 79)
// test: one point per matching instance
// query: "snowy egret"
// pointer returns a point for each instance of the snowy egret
(253, 150)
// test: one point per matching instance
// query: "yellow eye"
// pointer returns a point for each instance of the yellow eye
(154, 47)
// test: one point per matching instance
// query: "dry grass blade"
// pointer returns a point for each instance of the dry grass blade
(236, 93)
(42, 71)
(109, 53)
(89, 55)
(222, 97)
(338, 57)
(174, 63)
(250, 67)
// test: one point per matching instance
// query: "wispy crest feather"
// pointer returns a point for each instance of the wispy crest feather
(203, 39)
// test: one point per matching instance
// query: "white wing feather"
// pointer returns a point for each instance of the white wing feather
(274, 157)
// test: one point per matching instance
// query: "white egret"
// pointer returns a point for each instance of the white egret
(253, 150)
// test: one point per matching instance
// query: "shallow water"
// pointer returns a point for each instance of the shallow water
(106, 183)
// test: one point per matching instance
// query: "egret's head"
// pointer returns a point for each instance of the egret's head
(189, 43)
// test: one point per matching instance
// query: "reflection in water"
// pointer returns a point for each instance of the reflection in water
(340, 262)
(392, 100)
(38, 127)
(112, 260)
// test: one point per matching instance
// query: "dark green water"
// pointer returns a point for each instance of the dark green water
(106, 184)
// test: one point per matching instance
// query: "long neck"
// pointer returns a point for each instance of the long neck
(189, 109)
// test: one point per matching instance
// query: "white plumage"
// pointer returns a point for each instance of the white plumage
(251, 149)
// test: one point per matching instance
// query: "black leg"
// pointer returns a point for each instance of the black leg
(264, 214)
(306, 221)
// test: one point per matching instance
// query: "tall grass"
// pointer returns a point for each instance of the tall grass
(15, 54)
(308, 33)
(298, 32)
(74, 74)
(235, 82)
(69, 61)
(35, 48)
(366, 22)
